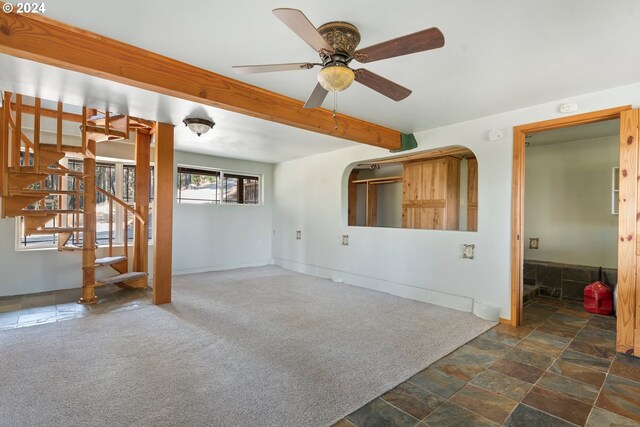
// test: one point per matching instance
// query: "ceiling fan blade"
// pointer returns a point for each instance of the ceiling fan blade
(252, 69)
(295, 19)
(317, 97)
(380, 84)
(431, 38)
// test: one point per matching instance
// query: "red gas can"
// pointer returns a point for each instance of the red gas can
(598, 298)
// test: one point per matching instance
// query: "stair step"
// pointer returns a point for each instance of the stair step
(20, 181)
(110, 260)
(70, 248)
(41, 193)
(101, 135)
(132, 275)
(44, 212)
(53, 230)
(49, 156)
(37, 222)
(29, 170)
(13, 205)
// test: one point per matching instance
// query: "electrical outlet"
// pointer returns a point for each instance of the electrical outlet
(468, 251)
(534, 242)
(345, 239)
(298, 234)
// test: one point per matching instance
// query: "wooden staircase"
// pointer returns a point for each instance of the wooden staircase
(36, 185)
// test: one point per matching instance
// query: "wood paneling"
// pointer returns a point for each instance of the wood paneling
(431, 194)
(163, 213)
(517, 193)
(452, 194)
(472, 194)
(627, 231)
(38, 38)
(372, 205)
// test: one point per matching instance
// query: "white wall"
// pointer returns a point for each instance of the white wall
(568, 202)
(211, 237)
(421, 264)
(40, 270)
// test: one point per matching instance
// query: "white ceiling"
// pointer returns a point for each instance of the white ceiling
(499, 55)
(575, 133)
(234, 135)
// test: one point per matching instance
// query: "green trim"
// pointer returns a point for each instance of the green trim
(407, 142)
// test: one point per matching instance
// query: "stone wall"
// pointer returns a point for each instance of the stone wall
(565, 281)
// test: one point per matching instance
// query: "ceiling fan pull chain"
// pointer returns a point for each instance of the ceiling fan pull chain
(335, 107)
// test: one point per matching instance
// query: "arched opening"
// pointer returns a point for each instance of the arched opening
(433, 190)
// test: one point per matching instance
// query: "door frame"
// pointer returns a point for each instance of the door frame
(517, 191)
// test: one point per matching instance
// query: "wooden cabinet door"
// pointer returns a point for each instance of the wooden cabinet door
(431, 194)
(472, 195)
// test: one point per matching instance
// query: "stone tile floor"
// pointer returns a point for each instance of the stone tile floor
(47, 307)
(559, 369)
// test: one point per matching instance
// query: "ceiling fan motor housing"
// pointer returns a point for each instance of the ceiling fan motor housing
(343, 37)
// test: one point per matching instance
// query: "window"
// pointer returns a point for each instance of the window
(129, 194)
(198, 186)
(115, 178)
(216, 186)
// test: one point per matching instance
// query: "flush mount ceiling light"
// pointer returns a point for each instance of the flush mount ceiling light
(198, 126)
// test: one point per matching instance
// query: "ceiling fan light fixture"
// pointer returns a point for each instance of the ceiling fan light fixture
(336, 78)
(198, 126)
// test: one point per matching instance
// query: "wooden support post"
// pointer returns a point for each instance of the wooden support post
(36, 137)
(59, 127)
(84, 130)
(3, 159)
(6, 111)
(627, 223)
(352, 199)
(89, 227)
(163, 214)
(17, 133)
(143, 186)
(372, 205)
(472, 194)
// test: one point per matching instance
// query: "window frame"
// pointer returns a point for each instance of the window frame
(118, 192)
(220, 189)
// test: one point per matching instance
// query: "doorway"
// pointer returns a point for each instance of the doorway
(518, 211)
(570, 215)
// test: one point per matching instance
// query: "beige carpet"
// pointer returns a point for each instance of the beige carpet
(251, 347)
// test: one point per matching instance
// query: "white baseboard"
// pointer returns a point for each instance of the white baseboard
(183, 271)
(394, 288)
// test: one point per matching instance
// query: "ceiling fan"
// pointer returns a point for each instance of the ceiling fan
(336, 44)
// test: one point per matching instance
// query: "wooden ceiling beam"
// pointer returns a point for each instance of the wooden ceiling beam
(41, 39)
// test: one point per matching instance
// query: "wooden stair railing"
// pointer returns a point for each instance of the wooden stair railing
(139, 279)
(28, 164)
